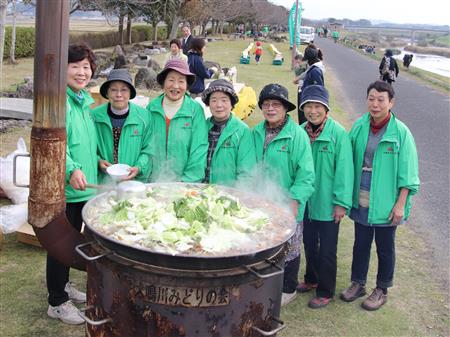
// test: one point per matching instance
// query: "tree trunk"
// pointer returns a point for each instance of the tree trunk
(121, 19)
(3, 4)
(155, 31)
(12, 49)
(168, 25)
(129, 29)
(221, 27)
(174, 28)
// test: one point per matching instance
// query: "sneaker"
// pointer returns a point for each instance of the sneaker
(75, 295)
(305, 287)
(353, 292)
(66, 312)
(287, 298)
(319, 302)
(375, 300)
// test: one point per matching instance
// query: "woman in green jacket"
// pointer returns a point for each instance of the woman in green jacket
(123, 128)
(332, 197)
(81, 168)
(284, 152)
(231, 152)
(180, 136)
(386, 176)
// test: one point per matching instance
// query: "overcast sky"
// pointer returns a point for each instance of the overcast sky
(428, 11)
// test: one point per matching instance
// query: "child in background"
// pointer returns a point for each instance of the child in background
(299, 68)
(258, 51)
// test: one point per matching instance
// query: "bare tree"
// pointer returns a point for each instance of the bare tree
(3, 5)
(12, 48)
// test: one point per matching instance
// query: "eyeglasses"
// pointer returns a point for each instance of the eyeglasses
(275, 105)
(117, 91)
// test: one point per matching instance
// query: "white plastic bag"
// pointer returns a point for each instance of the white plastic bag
(13, 217)
(18, 195)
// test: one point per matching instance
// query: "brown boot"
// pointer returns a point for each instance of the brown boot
(375, 300)
(353, 292)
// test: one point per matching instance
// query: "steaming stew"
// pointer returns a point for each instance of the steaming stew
(200, 220)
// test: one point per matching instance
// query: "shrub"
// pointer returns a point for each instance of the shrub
(24, 41)
(25, 37)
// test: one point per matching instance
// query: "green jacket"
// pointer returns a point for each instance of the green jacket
(333, 165)
(288, 161)
(134, 143)
(183, 156)
(234, 156)
(81, 150)
(395, 166)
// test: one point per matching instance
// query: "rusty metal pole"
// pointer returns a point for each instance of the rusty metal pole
(46, 203)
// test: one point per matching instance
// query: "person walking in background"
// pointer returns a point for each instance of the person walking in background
(314, 73)
(386, 177)
(407, 59)
(335, 35)
(180, 137)
(388, 67)
(175, 51)
(197, 67)
(258, 51)
(123, 128)
(284, 152)
(332, 197)
(187, 38)
(81, 168)
(231, 153)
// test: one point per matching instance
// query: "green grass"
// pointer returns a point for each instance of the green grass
(443, 40)
(417, 305)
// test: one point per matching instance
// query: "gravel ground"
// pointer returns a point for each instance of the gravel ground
(8, 124)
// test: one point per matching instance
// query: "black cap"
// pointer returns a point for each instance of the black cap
(220, 85)
(276, 91)
(118, 75)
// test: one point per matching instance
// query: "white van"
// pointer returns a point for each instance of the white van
(306, 34)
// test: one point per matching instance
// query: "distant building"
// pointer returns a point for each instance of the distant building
(336, 26)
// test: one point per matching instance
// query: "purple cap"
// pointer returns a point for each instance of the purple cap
(177, 65)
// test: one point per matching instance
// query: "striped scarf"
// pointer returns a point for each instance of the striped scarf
(314, 134)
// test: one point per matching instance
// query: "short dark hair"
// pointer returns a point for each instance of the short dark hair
(175, 41)
(80, 51)
(381, 86)
(197, 44)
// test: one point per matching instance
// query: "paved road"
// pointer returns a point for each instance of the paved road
(427, 114)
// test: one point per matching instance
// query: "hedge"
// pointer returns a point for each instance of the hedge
(96, 40)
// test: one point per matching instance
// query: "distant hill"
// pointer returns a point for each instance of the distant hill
(374, 23)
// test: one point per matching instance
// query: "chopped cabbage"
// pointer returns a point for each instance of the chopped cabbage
(205, 219)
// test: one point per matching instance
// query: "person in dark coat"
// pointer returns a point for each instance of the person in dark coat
(388, 67)
(197, 67)
(187, 39)
(314, 74)
(407, 59)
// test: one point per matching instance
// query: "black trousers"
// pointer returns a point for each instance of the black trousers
(57, 274)
(320, 239)
(291, 269)
(385, 242)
